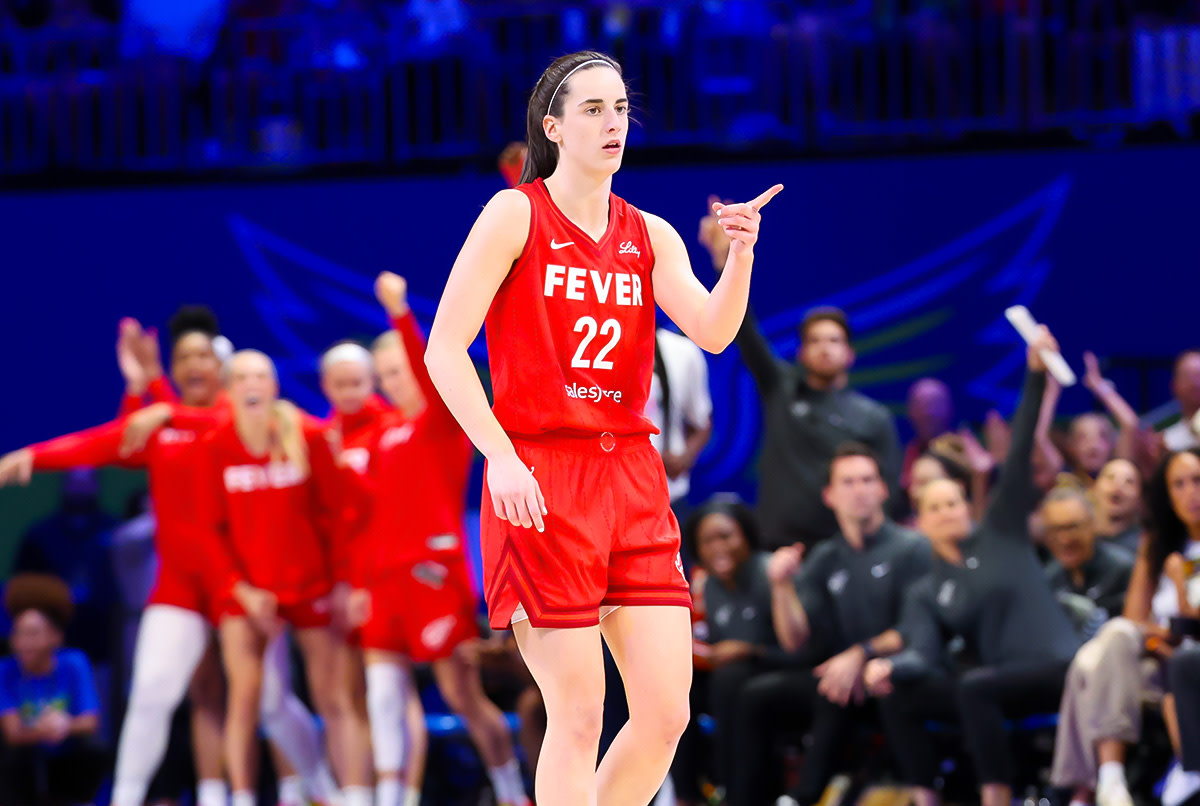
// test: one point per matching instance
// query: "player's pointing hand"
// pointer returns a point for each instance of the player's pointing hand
(740, 222)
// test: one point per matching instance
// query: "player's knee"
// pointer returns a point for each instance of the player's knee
(663, 721)
(582, 721)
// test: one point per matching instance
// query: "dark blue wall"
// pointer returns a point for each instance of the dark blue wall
(925, 254)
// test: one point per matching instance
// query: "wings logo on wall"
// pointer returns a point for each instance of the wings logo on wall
(318, 296)
(940, 314)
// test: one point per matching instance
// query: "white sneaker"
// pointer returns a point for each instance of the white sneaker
(1179, 785)
(787, 800)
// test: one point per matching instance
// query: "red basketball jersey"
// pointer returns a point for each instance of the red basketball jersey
(570, 333)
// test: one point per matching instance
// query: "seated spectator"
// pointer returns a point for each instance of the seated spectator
(49, 711)
(1091, 441)
(74, 544)
(839, 606)
(987, 588)
(1117, 494)
(1088, 577)
(723, 536)
(953, 456)
(1185, 385)
(930, 411)
(1109, 681)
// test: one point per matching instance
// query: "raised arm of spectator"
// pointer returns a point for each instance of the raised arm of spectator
(1106, 392)
(981, 463)
(1009, 509)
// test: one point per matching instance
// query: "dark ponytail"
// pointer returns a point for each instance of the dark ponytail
(542, 157)
(1165, 530)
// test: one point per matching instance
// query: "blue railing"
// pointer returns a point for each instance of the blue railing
(380, 90)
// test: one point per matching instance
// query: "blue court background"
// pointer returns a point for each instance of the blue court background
(924, 252)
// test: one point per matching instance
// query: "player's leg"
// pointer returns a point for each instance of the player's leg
(351, 677)
(170, 644)
(206, 697)
(242, 648)
(652, 646)
(290, 726)
(332, 701)
(417, 744)
(388, 693)
(568, 666)
(459, 683)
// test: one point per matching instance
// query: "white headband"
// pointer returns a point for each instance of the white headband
(568, 75)
(223, 348)
(348, 353)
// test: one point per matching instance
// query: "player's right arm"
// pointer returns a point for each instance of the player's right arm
(93, 447)
(493, 245)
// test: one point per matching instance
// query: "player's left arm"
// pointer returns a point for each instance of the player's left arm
(709, 318)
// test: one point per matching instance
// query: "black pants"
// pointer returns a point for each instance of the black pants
(981, 699)
(772, 705)
(1184, 671)
(35, 776)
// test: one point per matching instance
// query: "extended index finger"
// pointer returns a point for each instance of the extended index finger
(764, 197)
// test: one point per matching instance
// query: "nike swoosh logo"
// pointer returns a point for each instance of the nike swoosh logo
(554, 245)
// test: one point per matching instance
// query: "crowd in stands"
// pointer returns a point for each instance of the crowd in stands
(908, 619)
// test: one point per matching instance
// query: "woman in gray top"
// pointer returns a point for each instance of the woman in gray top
(988, 589)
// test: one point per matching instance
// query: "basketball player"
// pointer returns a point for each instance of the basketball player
(412, 570)
(267, 496)
(348, 381)
(576, 522)
(172, 645)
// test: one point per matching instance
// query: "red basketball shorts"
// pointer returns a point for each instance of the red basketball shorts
(422, 611)
(303, 615)
(189, 589)
(611, 538)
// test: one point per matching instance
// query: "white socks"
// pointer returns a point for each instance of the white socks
(1111, 789)
(412, 797)
(389, 792)
(243, 798)
(212, 792)
(1112, 773)
(291, 791)
(507, 783)
(357, 795)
